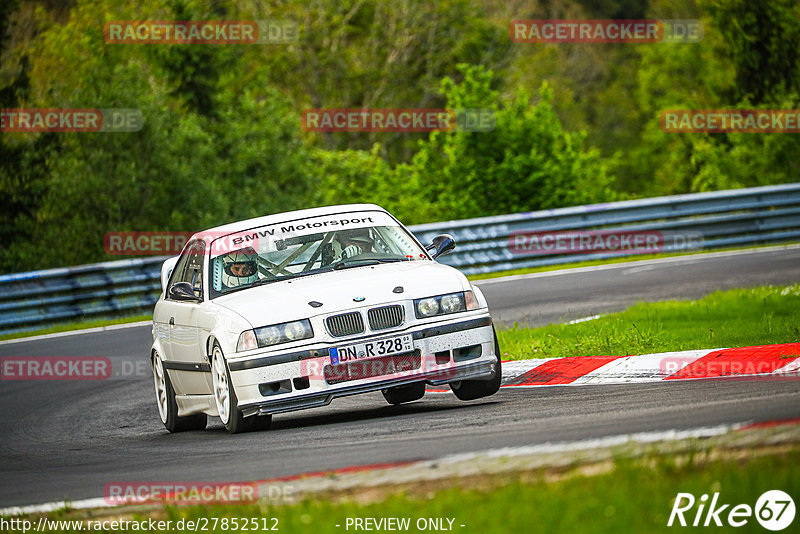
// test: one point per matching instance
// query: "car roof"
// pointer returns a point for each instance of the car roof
(276, 218)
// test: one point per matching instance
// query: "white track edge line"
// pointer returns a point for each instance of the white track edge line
(77, 332)
(627, 264)
(543, 448)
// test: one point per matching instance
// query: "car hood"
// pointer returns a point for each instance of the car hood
(289, 300)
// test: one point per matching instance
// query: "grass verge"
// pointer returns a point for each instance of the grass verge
(733, 318)
(628, 495)
(68, 327)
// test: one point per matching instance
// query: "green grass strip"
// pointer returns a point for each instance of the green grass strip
(735, 318)
(69, 327)
(629, 496)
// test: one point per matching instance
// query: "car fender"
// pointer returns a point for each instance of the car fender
(228, 326)
(155, 347)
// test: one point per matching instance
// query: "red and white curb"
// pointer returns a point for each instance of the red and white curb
(772, 361)
(760, 361)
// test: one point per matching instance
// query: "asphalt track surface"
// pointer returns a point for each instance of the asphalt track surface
(67, 440)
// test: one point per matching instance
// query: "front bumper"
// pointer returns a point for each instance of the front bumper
(278, 383)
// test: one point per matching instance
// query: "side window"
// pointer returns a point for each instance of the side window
(177, 272)
(190, 267)
(194, 267)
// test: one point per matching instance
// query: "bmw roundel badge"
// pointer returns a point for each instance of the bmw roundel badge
(359, 299)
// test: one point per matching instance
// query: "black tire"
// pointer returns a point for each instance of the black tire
(237, 423)
(259, 422)
(407, 393)
(466, 390)
(172, 421)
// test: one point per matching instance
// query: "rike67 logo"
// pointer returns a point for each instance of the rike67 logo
(774, 510)
(359, 365)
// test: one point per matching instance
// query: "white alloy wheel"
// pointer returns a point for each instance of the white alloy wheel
(161, 388)
(219, 377)
(168, 406)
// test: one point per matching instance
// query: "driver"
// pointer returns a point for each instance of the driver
(239, 268)
(354, 242)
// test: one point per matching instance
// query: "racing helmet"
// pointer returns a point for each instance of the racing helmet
(354, 242)
(239, 267)
(358, 236)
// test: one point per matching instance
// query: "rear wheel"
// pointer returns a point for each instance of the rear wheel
(168, 407)
(226, 401)
(407, 393)
(476, 389)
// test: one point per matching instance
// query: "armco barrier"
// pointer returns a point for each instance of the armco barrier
(711, 220)
(725, 218)
(101, 290)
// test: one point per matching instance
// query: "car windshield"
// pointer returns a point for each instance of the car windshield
(307, 246)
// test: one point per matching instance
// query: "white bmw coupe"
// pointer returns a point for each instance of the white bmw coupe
(286, 312)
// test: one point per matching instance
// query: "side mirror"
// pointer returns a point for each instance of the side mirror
(166, 271)
(182, 291)
(441, 245)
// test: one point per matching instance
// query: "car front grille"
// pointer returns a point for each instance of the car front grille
(385, 317)
(386, 365)
(345, 324)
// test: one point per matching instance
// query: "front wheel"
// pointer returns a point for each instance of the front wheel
(168, 407)
(226, 401)
(475, 389)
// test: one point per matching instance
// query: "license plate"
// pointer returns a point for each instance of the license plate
(372, 349)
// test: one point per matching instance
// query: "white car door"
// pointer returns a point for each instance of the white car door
(188, 365)
(164, 310)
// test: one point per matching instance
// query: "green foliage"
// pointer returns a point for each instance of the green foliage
(378, 54)
(763, 44)
(351, 176)
(187, 169)
(528, 162)
(747, 59)
(576, 123)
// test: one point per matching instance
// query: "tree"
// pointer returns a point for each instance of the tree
(527, 162)
(763, 44)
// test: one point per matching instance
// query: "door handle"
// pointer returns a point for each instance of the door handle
(172, 321)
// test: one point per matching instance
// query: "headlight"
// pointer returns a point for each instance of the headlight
(275, 334)
(297, 330)
(268, 335)
(453, 303)
(427, 307)
(445, 304)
